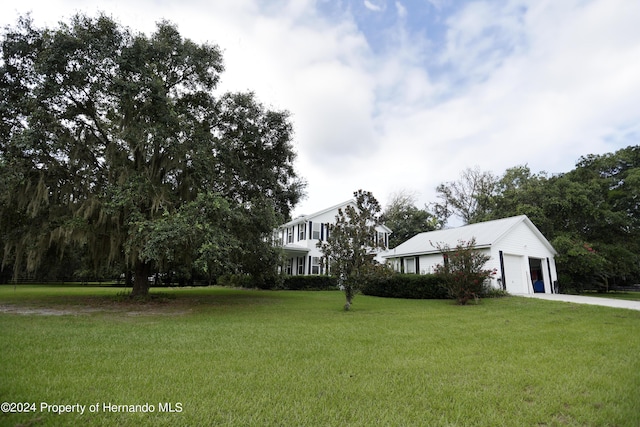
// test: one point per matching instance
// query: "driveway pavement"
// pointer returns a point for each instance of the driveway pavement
(579, 299)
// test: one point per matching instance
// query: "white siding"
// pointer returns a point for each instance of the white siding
(521, 240)
(428, 263)
(523, 243)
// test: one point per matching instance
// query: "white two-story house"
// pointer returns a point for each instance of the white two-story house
(299, 239)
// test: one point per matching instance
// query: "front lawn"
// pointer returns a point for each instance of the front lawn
(632, 296)
(214, 356)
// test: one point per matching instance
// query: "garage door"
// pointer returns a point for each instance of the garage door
(515, 273)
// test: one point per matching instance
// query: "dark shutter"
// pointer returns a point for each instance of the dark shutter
(321, 232)
(550, 279)
(504, 279)
(417, 265)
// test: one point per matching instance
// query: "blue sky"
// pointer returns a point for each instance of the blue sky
(399, 95)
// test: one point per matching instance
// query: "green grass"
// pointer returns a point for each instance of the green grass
(233, 357)
(631, 296)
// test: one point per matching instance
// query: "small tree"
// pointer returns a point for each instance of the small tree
(351, 245)
(463, 271)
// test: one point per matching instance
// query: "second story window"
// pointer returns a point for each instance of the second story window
(316, 231)
(381, 239)
(290, 235)
(301, 231)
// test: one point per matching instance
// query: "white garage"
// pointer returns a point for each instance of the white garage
(523, 257)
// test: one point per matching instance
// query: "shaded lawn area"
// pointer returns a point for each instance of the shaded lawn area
(236, 357)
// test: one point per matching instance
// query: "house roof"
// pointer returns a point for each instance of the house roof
(305, 218)
(486, 234)
(296, 249)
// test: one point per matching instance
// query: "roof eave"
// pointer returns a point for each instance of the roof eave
(418, 253)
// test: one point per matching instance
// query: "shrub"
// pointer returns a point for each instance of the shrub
(309, 283)
(463, 273)
(411, 286)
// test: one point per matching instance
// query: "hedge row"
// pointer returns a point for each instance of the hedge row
(292, 283)
(413, 286)
(309, 283)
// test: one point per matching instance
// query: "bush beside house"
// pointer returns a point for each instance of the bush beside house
(310, 283)
(412, 286)
(290, 283)
(394, 285)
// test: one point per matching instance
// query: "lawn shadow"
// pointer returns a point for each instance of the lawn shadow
(169, 301)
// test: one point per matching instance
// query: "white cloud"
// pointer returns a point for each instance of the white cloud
(509, 83)
(401, 10)
(375, 6)
(566, 87)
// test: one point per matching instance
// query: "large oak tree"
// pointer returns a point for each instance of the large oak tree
(117, 142)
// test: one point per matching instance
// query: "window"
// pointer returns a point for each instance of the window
(316, 231)
(410, 265)
(301, 265)
(315, 265)
(301, 231)
(290, 267)
(290, 235)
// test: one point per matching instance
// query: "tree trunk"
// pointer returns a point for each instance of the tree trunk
(349, 297)
(141, 282)
(128, 278)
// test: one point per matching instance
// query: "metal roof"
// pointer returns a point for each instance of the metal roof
(305, 218)
(486, 234)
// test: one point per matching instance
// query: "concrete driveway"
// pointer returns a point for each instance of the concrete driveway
(579, 299)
